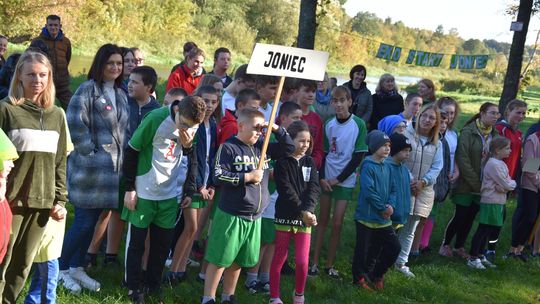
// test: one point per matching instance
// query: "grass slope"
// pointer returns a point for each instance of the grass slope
(439, 280)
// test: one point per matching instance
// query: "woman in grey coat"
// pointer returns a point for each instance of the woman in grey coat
(97, 118)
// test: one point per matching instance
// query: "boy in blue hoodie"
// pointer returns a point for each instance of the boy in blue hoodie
(235, 238)
(401, 177)
(376, 204)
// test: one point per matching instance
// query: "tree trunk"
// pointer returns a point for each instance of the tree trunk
(513, 72)
(307, 24)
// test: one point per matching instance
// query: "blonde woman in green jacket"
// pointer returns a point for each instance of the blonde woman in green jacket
(36, 187)
(471, 155)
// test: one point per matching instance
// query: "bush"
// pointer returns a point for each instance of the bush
(472, 87)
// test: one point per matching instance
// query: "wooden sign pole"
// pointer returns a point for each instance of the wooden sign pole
(271, 122)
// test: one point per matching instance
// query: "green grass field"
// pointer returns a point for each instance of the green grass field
(439, 280)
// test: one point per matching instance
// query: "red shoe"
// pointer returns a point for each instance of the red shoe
(363, 284)
(378, 284)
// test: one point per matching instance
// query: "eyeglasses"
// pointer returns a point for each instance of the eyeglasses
(401, 126)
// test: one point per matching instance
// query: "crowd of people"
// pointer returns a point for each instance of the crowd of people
(186, 175)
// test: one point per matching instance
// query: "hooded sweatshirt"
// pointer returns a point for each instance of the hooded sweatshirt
(234, 159)
(401, 177)
(227, 127)
(376, 192)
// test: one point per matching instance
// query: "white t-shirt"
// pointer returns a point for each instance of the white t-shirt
(452, 139)
(227, 102)
(341, 140)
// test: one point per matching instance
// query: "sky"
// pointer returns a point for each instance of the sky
(479, 19)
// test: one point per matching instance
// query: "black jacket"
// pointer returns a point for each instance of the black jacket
(233, 160)
(385, 104)
(295, 194)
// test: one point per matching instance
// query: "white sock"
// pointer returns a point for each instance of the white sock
(250, 278)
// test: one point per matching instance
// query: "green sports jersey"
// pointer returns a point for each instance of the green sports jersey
(159, 166)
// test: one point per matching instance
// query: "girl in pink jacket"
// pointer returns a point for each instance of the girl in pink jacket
(496, 183)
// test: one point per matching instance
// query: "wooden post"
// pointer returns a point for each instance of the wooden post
(271, 123)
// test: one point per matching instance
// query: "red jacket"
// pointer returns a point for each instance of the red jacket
(183, 78)
(314, 122)
(514, 136)
(227, 127)
(5, 227)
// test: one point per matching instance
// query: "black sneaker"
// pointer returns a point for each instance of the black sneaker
(171, 278)
(232, 300)
(522, 256)
(90, 260)
(111, 261)
(287, 269)
(136, 296)
(263, 288)
(313, 271)
(332, 272)
(253, 287)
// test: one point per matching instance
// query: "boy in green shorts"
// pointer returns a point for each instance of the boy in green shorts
(345, 146)
(258, 277)
(234, 240)
(152, 164)
(205, 147)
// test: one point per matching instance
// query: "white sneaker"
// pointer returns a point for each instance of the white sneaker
(168, 263)
(476, 264)
(68, 282)
(405, 270)
(87, 282)
(193, 263)
(487, 263)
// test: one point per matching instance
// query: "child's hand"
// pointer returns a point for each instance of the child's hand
(130, 200)
(58, 212)
(186, 202)
(211, 193)
(413, 187)
(255, 176)
(185, 136)
(309, 218)
(205, 193)
(275, 127)
(325, 186)
(388, 212)
(333, 182)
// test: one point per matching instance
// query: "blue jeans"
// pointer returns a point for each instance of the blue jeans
(79, 237)
(43, 283)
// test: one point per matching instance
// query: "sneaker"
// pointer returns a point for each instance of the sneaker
(476, 264)
(90, 260)
(378, 284)
(264, 288)
(313, 271)
(275, 301)
(111, 261)
(232, 300)
(362, 283)
(445, 251)
(287, 269)
(200, 277)
(170, 278)
(414, 254)
(193, 263)
(509, 255)
(68, 282)
(84, 280)
(487, 263)
(136, 296)
(462, 253)
(332, 272)
(490, 255)
(253, 287)
(296, 299)
(535, 255)
(405, 270)
(168, 263)
(522, 256)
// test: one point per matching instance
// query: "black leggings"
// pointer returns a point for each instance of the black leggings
(525, 216)
(460, 225)
(479, 240)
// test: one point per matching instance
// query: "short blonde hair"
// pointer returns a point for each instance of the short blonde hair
(383, 78)
(16, 89)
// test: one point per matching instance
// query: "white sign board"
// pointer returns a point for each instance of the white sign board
(277, 60)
